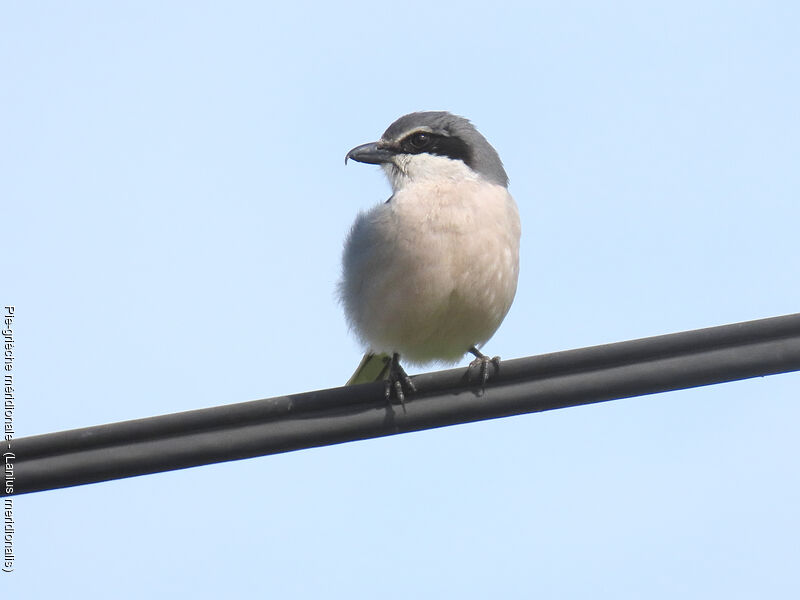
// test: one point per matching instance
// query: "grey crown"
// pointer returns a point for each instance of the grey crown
(482, 157)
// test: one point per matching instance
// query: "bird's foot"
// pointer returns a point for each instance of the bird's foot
(398, 383)
(481, 363)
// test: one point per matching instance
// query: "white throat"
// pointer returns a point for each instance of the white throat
(408, 168)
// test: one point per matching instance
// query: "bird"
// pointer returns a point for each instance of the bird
(430, 274)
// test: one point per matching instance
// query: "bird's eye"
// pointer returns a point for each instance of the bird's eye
(420, 140)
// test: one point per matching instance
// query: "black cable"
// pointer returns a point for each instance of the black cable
(319, 418)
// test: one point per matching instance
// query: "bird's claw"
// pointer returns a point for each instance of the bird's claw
(398, 383)
(482, 362)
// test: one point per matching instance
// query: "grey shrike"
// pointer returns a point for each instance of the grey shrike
(430, 274)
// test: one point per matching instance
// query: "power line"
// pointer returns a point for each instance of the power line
(319, 418)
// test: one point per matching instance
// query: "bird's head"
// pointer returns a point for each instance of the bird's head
(432, 145)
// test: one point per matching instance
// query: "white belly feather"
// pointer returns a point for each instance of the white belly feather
(428, 279)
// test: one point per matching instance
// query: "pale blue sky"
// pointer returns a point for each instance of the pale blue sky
(174, 201)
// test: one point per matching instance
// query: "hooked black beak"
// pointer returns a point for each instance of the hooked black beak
(370, 153)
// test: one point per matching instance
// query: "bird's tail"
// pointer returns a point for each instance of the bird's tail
(373, 367)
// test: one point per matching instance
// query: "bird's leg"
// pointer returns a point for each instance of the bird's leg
(396, 380)
(482, 362)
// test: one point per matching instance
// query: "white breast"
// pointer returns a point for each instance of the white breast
(433, 271)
